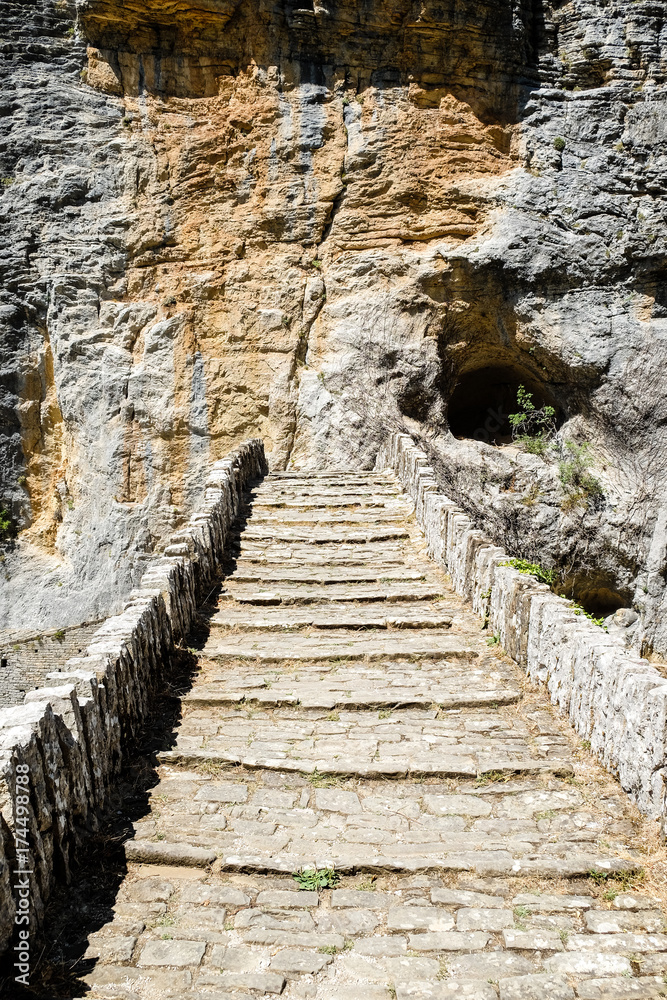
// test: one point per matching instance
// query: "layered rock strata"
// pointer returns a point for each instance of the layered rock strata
(313, 222)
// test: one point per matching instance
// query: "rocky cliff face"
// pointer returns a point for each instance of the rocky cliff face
(316, 222)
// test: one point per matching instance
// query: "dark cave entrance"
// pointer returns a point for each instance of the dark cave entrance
(483, 399)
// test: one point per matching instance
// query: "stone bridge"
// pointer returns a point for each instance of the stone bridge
(364, 796)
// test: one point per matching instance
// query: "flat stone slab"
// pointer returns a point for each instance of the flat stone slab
(536, 987)
(619, 989)
(168, 853)
(174, 953)
(452, 989)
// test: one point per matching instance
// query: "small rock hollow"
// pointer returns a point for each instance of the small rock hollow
(484, 398)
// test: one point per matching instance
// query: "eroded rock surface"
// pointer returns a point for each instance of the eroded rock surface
(311, 222)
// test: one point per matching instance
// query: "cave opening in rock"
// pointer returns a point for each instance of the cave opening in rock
(484, 398)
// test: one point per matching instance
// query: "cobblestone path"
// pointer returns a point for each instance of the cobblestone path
(349, 714)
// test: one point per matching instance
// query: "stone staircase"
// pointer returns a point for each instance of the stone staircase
(350, 713)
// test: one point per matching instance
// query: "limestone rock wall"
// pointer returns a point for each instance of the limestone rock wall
(69, 735)
(310, 221)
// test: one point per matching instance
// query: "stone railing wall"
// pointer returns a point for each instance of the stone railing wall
(614, 699)
(68, 738)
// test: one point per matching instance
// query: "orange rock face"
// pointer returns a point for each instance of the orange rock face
(266, 142)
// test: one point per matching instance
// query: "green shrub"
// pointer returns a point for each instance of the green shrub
(6, 524)
(534, 445)
(559, 143)
(532, 427)
(523, 566)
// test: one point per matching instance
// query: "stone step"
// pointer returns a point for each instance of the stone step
(295, 593)
(342, 645)
(497, 831)
(385, 684)
(402, 743)
(271, 693)
(366, 555)
(485, 856)
(360, 502)
(318, 535)
(279, 517)
(379, 615)
(359, 766)
(247, 571)
(330, 495)
(327, 497)
(342, 476)
(323, 487)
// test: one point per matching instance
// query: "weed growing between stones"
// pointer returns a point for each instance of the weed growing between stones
(488, 776)
(624, 879)
(550, 577)
(312, 879)
(319, 780)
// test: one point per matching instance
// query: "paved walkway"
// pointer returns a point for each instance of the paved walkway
(350, 714)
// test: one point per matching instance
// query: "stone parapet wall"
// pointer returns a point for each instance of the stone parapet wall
(613, 698)
(69, 736)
